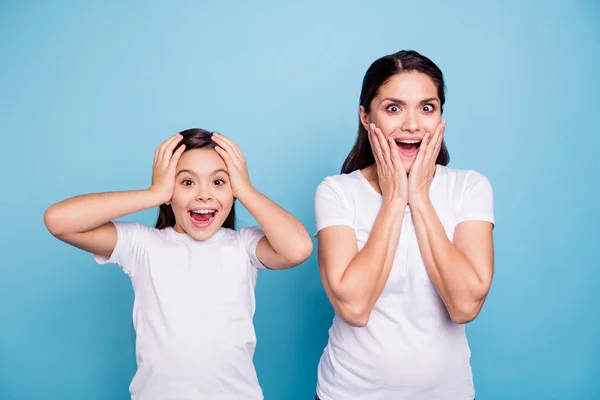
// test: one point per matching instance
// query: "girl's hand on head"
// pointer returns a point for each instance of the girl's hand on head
(164, 167)
(235, 162)
(390, 172)
(423, 169)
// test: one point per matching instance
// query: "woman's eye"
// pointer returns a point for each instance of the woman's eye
(393, 108)
(187, 182)
(428, 108)
(219, 182)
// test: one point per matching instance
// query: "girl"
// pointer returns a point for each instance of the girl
(193, 275)
(405, 246)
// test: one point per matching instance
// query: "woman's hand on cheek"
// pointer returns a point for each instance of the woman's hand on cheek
(235, 162)
(391, 175)
(423, 168)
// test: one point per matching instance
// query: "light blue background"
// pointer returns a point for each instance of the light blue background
(88, 91)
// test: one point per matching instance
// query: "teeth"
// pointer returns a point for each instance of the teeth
(204, 211)
(410, 141)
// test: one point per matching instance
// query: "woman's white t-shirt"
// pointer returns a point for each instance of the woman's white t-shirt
(409, 349)
(193, 309)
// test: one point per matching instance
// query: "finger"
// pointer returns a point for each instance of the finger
(423, 148)
(385, 148)
(438, 145)
(223, 143)
(169, 149)
(376, 148)
(432, 148)
(162, 150)
(428, 150)
(224, 155)
(232, 145)
(176, 156)
(395, 155)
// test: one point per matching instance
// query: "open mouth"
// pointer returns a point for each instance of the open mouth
(408, 147)
(202, 217)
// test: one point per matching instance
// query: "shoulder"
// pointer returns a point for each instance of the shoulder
(463, 179)
(341, 184)
(126, 228)
(342, 179)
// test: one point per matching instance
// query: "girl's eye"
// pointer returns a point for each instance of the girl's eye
(393, 108)
(428, 108)
(187, 182)
(219, 182)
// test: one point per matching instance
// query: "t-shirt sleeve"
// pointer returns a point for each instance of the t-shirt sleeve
(331, 206)
(251, 235)
(131, 248)
(477, 202)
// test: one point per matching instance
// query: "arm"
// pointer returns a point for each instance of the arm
(461, 271)
(354, 280)
(286, 243)
(84, 221)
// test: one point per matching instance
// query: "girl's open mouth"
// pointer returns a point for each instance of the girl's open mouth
(202, 217)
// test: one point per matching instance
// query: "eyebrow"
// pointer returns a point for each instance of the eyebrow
(429, 100)
(189, 171)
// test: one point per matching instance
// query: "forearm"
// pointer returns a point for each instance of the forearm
(368, 272)
(455, 278)
(86, 212)
(286, 235)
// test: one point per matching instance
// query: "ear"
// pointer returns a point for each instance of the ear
(364, 117)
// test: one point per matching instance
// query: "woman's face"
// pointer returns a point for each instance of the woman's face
(406, 107)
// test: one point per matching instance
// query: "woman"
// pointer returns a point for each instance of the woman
(405, 246)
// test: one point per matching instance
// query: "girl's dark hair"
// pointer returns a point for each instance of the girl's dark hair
(361, 155)
(192, 139)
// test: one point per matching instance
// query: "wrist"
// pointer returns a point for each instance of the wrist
(245, 193)
(158, 196)
(395, 205)
(419, 202)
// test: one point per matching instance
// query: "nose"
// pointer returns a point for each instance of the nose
(204, 193)
(410, 123)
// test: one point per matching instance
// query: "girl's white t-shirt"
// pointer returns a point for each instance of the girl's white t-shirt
(409, 349)
(193, 309)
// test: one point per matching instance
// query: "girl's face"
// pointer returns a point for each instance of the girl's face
(202, 198)
(406, 107)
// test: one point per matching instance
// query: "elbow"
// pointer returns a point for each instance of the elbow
(51, 221)
(465, 312)
(356, 315)
(302, 251)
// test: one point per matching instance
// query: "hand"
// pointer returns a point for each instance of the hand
(390, 172)
(235, 162)
(423, 168)
(164, 167)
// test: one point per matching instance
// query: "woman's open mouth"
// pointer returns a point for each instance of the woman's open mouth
(408, 147)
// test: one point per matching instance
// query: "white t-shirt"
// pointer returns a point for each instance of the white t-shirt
(193, 310)
(409, 349)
